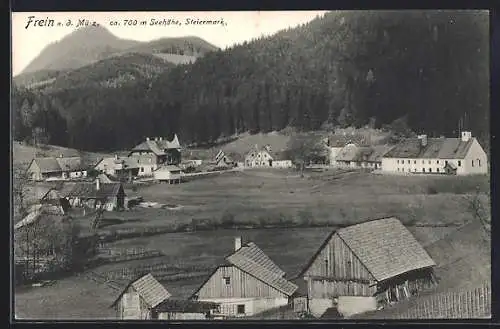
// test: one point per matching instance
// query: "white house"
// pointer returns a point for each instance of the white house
(118, 166)
(264, 158)
(423, 155)
(170, 174)
(336, 144)
(247, 283)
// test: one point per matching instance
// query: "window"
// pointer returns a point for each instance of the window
(142, 169)
(437, 169)
(414, 161)
(445, 162)
(397, 161)
(227, 280)
(459, 163)
(408, 161)
(240, 309)
(430, 169)
(423, 162)
(398, 169)
(423, 169)
(437, 161)
(429, 161)
(326, 267)
(479, 162)
(472, 163)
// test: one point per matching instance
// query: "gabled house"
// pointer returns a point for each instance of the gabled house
(424, 155)
(119, 167)
(169, 173)
(371, 156)
(61, 168)
(155, 152)
(337, 142)
(265, 158)
(145, 298)
(223, 160)
(347, 157)
(247, 283)
(109, 196)
(367, 266)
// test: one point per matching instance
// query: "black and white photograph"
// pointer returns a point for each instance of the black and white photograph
(250, 165)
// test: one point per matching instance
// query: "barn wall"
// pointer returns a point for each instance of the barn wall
(242, 285)
(337, 271)
(252, 306)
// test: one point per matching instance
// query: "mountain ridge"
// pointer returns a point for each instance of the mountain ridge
(90, 44)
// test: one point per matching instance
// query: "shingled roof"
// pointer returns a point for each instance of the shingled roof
(436, 148)
(185, 306)
(151, 291)
(52, 164)
(89, 190)
(385, 247)
(251, 259)
(343, 140)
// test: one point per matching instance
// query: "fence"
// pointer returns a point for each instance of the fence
(465, 304)
(161, 272)
(99, 278)
(113, 256)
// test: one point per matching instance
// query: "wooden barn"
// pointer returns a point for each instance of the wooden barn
(366, 266)
(60, 168)
(248, 283)
(110, 196)
(147, 299)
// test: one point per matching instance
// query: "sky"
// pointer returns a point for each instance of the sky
(29, 41)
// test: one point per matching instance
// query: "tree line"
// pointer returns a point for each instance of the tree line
(342, 69)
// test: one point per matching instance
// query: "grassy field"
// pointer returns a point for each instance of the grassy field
(256, 196)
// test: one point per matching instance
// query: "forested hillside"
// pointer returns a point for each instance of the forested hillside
(345, 68)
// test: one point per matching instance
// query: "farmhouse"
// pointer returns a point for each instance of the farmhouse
(264, 158)
(40, 194)
(154, 152)
(146, 299)
(366, 266)
(60, 168)
(249, 282)
(347, 157)
(337, 142)
(110, 196)
(456, 156)
(169, 173)
(119, 167)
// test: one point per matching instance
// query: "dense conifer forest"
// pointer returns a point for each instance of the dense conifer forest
(345, 68)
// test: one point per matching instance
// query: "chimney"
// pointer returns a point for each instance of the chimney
(156, 139)
(423, 140)
(147, 138)
(466, 135)
(161, 138)
(237, 243)
(97, 184)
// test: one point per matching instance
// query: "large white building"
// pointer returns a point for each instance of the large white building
(458, 156)
(265, 158)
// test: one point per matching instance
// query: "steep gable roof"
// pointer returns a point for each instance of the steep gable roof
(385, 247)
(436, 148)
(37, 212)
(251, 259)
(151, 291)
(158, 147)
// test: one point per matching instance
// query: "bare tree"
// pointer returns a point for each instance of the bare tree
(479, 205)
(20, 180)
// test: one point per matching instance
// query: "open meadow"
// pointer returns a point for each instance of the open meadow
(432, 206)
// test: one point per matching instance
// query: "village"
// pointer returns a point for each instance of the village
(368, 263)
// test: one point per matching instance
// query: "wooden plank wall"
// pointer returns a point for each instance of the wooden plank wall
(337, 271)
(242, 285)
